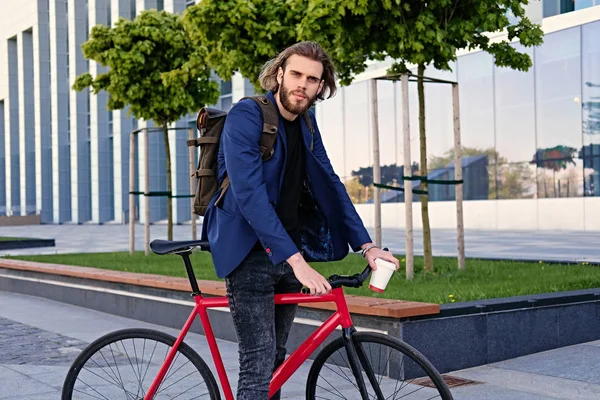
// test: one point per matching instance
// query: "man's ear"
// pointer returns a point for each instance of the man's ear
(279, 75)
(321, 85)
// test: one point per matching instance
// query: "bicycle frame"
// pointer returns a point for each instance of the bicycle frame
(289, 366)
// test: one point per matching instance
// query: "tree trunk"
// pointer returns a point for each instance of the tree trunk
(169, 185)
(424, 186)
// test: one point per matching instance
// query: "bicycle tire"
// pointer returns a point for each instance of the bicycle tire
(380, 339)
(142, 334)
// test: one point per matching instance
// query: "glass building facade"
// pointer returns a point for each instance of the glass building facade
(526, 136)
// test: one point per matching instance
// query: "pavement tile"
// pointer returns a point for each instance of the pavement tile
(490, 392)
(579, 363)
(54, 395)
(14, 383)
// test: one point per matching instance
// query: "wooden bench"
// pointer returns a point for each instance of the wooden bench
(356, 304)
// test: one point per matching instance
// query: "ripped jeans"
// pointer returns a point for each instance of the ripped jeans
(261, 327)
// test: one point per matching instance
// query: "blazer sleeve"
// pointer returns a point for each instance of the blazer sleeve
(244, 165)
(357, 233)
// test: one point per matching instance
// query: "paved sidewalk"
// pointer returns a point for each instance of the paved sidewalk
(534, 245)
(39, 338)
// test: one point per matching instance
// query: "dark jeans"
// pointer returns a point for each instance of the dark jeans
(262, 328)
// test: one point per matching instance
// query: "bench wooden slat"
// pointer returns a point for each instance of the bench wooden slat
(356, 304)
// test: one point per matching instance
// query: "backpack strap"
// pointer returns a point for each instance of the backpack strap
(270, 125)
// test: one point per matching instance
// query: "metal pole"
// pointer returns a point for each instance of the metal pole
(146, 197)
(408, 215)
(131, 195)
(460, 229)
(376, 163)
(192, 179)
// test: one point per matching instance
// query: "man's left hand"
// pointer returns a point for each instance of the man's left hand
(376, 252)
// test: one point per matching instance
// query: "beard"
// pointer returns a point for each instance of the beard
(291, 103)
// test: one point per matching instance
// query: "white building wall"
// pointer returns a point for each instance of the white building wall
(42, 115)
(26, 122)
(102, 180)
(122, 126)
(80, 157)
(13, 192)
(59, 93)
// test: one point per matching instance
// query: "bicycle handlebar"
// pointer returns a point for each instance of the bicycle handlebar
(354, 281)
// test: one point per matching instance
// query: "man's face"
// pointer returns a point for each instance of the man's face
(299, 84)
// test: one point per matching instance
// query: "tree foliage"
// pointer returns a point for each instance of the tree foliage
(151, 68)
(241, 35)
(154, 69)
(419, 32)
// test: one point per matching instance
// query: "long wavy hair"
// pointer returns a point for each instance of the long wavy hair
(311, 50)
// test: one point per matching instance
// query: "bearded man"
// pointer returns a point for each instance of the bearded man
(278, 214)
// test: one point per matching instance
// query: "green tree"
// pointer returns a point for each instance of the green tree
(241, 35)
(423, 33)
(151, 70)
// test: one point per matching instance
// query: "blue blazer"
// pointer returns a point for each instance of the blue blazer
(329, 221)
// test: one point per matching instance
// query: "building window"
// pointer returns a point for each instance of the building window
(189, 3)
(108, 14)
(160, 5)
(110, 124)
(132, 9)
(226, 98)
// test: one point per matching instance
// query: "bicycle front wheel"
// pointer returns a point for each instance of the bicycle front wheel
(123, 364)
(391, 369)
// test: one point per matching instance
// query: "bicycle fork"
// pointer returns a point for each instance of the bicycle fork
(357, 358)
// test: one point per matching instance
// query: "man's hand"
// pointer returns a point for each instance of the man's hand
(307, 276)
(376, 252)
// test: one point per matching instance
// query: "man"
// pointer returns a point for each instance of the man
(278, 213)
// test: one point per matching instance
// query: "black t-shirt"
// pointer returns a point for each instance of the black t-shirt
(293, 179)
(293, 182)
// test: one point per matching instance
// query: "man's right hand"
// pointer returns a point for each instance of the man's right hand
(307, 276)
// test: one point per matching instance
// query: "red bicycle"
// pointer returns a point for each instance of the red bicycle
(144, 364)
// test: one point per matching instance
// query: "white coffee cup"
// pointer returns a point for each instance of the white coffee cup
(381, 276)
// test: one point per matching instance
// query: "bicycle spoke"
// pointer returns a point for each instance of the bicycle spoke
(340, 393)
(87, 394)
(130, 363)
(150, 360)
(174, 372)
(117, 367)
(198, 384)
(108, 364)
(202, 395)
(340, 375)
(178, 382)
(139, 373)
(101, 377)
(115, 381)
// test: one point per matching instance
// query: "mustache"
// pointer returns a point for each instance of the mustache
(298, 92)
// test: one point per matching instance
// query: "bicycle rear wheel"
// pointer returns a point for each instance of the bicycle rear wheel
(399, 371)
(123, 364)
